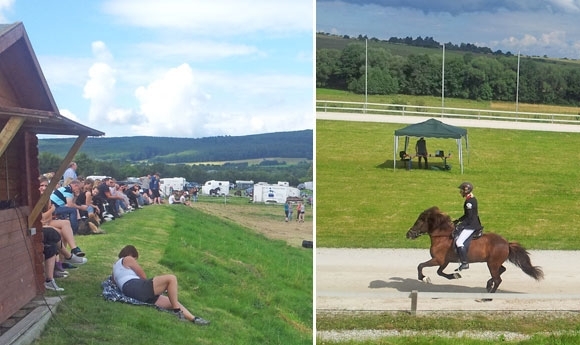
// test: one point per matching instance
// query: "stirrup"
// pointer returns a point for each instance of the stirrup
(463, 266)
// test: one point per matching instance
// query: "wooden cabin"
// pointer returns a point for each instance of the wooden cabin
(27, 109)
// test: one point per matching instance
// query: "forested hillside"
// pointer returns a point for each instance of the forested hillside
(138, 156)
(298, 144)
(397, 68)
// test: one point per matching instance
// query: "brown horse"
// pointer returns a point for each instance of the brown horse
(490, 248)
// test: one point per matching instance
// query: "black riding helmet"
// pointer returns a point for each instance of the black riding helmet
(466, 188)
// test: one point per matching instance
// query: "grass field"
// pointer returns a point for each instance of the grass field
(525, 181)
(526, 184)
(253, 290)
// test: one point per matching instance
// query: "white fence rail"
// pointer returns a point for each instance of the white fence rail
(445, 112)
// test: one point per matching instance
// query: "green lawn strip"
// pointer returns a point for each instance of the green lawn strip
(524, 181)
(252, 289)
(465, 340)
(541, 328)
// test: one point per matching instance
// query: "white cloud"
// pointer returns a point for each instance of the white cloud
(5, 5)
(99, 89)
(218, 17)
(570, 6)
(63, 70)
(69, 115)
(101, 52)
(171, 105)
(555, 40)
(198, 50)
(148, 67)
(174, 104)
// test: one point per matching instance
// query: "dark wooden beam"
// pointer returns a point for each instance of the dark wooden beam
(9, 131)
(53, 182)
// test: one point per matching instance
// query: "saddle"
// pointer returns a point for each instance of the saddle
(474, 236)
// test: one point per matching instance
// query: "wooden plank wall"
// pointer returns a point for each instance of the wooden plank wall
(21, 258)
(17, 261)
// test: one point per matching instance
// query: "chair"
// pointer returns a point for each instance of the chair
(406, 159)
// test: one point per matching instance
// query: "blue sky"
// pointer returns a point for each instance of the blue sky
(180, 68)
(532, 27)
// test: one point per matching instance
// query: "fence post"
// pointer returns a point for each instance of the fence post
(414, 295)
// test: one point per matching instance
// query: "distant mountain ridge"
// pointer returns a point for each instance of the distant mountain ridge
(295, 144)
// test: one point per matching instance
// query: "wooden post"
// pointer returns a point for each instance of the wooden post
(414, 295)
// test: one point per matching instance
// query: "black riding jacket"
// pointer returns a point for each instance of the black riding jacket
(470, 218)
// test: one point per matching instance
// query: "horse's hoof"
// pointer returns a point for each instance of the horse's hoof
(426, 280)
(456, 275)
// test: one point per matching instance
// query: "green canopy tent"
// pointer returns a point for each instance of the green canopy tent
(432, 128)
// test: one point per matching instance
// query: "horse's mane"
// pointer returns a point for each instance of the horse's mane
(439, 219)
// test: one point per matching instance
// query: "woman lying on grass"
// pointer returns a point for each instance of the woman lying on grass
(132, 281)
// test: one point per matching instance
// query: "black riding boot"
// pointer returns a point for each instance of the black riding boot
(463, 257)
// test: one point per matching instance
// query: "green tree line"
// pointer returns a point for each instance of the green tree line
(270, 171)
(467, 76)
(122, 157)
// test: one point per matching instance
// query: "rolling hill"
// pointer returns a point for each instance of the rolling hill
(296, 144)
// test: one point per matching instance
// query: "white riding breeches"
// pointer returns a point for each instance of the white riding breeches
(463, 236)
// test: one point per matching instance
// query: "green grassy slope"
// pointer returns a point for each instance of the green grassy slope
(253, 290)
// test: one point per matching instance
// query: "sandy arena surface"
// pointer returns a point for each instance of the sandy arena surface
(272, 227)
(382, 279)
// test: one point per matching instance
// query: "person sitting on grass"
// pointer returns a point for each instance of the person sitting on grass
(132, 281)
(87, 208)
(51, 240)
(52, 248)
(107, 197)
(184, 198)
(63, 200)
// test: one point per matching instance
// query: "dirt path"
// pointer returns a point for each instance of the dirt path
(381, 279)
(271, 224)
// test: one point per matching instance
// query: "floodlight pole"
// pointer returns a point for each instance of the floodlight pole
(366, 70)
(443, 82)
(518, 82)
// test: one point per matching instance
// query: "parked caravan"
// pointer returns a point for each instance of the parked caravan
(242, 185)
(274, 193)
(213, 185)
(170, 184)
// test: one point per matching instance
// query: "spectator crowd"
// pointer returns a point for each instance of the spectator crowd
(78, 206)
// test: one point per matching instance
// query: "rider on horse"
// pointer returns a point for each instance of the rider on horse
(466, 224)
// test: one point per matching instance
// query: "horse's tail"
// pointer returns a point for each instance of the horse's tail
(520, 257)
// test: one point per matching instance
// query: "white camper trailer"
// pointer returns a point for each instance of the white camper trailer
(274, 193)
(224, 187)
(243, 185)
(170, 184)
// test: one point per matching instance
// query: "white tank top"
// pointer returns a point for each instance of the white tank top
(123, 274)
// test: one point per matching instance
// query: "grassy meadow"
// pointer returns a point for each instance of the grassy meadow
(526, 185)
(540, 330)
(525, 181)
(252, 289)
